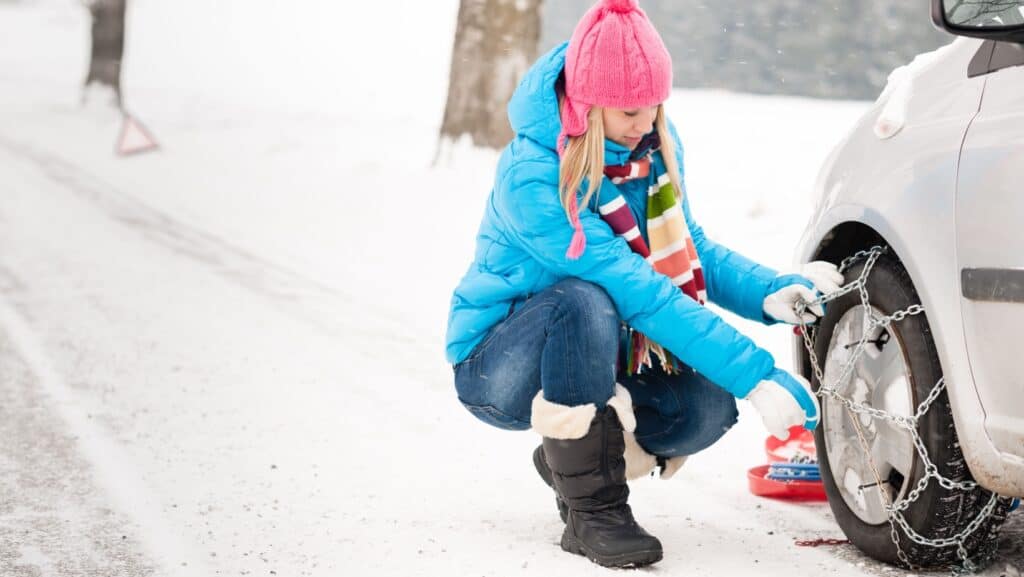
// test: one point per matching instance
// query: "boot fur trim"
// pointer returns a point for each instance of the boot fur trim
(622, 402)
(639, 463)
(672, 465)
(556, 421)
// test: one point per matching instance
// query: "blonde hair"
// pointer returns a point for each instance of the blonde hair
(584, 158)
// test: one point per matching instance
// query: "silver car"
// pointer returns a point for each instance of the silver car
(921, 365)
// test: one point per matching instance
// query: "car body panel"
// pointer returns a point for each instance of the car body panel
(904, 188)
(990, 219)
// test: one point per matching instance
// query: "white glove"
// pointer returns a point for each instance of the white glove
(825, 276)
(781, 304)
(787, 291)
(785, 401)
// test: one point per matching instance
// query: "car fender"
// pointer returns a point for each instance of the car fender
(903, 188)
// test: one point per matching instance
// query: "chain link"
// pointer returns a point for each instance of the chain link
(909, 423)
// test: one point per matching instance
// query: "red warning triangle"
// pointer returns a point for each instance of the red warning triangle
(134, 137)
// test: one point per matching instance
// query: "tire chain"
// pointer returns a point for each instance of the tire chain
(909, 423)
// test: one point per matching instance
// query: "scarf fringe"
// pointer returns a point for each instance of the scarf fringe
(642, 350)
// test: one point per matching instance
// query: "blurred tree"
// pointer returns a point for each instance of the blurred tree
(495, 43)
(107, 43)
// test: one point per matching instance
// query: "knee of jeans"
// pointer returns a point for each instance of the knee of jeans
(497, 401)
(500, 407)
(590, 306)
(718, 419)
(728, 415)
(721, 413)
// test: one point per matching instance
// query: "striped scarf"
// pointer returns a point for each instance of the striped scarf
(671, 251)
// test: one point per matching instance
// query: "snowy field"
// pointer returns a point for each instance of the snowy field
(226, 357)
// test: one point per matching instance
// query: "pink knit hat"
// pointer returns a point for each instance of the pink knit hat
(616, 59)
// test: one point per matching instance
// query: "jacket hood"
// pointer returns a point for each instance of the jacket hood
(533, 109)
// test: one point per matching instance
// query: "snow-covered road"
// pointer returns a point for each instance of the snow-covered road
(199, 411)
(215, 405)
(210, 364)
(175, 405)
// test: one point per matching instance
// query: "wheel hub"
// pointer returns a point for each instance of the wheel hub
(880, 379)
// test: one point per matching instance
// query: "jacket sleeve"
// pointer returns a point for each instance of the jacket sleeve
(733, 281)
(534, 219)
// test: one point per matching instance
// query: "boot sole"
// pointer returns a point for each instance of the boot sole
(631, 559)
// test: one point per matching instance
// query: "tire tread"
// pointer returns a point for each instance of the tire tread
(939, 513)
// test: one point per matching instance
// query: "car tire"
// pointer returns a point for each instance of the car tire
(937, 512)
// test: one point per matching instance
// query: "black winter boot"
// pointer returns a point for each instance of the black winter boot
(540, 462)
(589, 473)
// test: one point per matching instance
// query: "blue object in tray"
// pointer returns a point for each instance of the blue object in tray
(794, 472)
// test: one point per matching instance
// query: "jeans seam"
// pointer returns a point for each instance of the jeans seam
(664, 432)
(491, 335)
(482, 345)
(588, 321)
(675, 420)
(494, 331)
(570, 382)
(493, 409)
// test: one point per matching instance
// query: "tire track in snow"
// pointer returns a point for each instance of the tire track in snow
(328, 308)
(56, 521)
(111, 466)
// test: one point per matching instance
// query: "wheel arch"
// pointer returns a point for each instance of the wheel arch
(860, 230)
(841, 241)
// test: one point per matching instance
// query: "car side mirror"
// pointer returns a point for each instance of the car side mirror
(991, 19)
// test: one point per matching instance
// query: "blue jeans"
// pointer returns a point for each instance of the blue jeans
(565, 340)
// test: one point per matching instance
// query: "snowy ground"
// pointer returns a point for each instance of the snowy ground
(226, 357)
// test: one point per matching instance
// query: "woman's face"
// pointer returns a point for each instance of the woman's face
(627, 126)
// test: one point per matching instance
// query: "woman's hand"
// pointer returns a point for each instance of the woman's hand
(785, 401)
(825, 276)
(788, 291)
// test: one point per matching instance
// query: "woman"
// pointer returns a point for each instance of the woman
(581, 315)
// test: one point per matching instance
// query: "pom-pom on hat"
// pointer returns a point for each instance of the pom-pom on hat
(616, 59)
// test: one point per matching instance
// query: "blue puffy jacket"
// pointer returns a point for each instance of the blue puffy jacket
(521, 245)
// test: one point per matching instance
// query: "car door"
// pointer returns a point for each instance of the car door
(990, 244)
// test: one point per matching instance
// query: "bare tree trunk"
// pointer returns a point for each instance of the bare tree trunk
(107, 43)
(495, 43)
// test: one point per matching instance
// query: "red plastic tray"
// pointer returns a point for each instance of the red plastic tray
(799, 444)
(796, 490)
